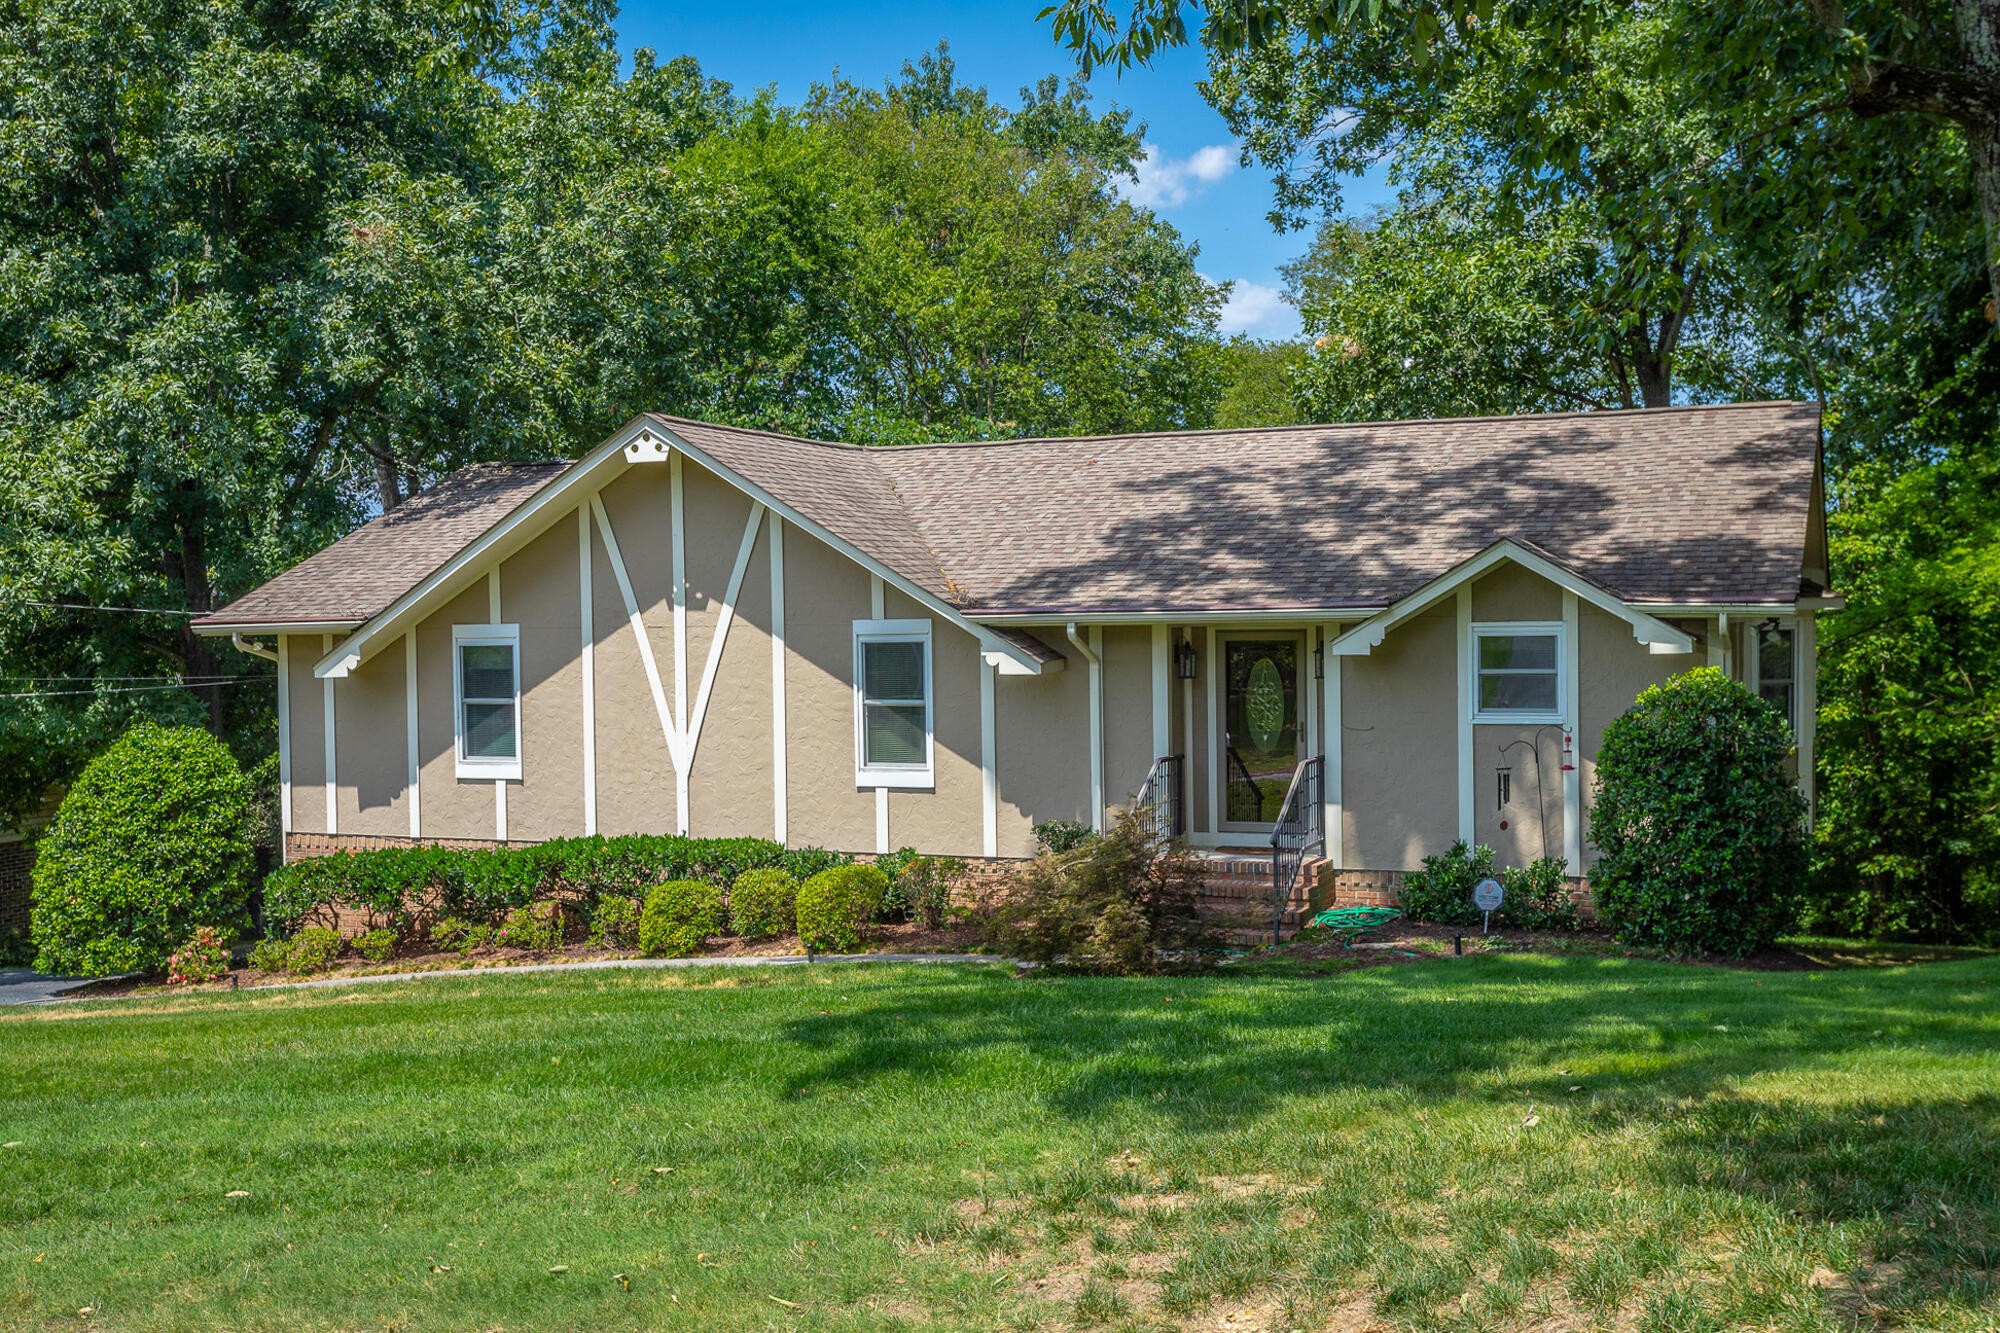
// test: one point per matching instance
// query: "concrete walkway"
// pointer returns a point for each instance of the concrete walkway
(21, 986)
(24, 985)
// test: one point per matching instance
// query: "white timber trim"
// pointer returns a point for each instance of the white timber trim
(1572, 706)
(1163, 674)
(725, 617)
(989, 761)
(779, 774)
(668, 732)
(284, 742)
(1251, 617)
(1091, 644)
(413, 758)
(677, 592)
(877, 610)
(332, 790)
(1806, 690)
(1656, 634)
(1718, 643)
(586, 556)
(1213, 738)
(1464, 765)
(1331, 727)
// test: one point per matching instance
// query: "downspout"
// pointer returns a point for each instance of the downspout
(1096, 725)
(243, 645)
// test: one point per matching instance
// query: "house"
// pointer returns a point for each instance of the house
(721, 631)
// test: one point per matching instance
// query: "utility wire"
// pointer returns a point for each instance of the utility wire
(128, 610)
(133, 689)
(169, 678)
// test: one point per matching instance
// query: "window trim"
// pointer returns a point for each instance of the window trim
(1501, 629)
(1790, 628)
(472, 766)
(894, 775)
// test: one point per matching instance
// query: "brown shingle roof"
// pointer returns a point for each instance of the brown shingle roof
(1697, 504)
(364, 572)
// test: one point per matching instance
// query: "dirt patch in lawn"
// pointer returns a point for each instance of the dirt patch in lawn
(898, 937)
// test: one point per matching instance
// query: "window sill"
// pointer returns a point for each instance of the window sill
(903, 779)
(1519, 719)
(468, 772)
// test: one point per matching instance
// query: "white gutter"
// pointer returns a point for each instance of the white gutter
(1096, 725)
(243, 645)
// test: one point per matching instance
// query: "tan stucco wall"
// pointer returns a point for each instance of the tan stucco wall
(1399, 743)
(1128, 711)
(635, 774)
(1510, 592)
(1043, 726)
(539, 591)
(730, 788)
(451, 807)
(825, 593)
(1612, 667)
(371, 746)
(945, 819)
(305, 695)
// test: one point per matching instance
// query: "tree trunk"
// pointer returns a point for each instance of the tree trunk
(1655, 372)
(388, 482)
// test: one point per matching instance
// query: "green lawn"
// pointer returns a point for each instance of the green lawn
(1486, 1143)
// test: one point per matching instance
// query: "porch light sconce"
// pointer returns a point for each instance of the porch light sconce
(1184, 660)
(1319, 662)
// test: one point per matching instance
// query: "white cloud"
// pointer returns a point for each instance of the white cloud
(1168, 182)
(1254, 308)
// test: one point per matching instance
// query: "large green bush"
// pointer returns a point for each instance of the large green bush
(679, 916)
(763, 902)
(1125, 902)
(836, 904)
(1700, 828)
(155, 839)
(486, 882)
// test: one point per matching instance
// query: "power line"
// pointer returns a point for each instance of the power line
(127, 610)
(134, 689)
(185, 680)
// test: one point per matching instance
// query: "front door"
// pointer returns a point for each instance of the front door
(1263, 731)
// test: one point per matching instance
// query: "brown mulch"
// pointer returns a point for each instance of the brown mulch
(899, 937)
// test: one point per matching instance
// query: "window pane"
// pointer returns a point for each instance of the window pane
(1517, 652)
(488, 670)
(1774, 655)
(893, 670)
(894, 733)
(489, 731)
(1527, 694)
(1779, 695)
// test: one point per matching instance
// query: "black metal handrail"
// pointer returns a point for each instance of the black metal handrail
(1301, 827)
(1249, 778)
(1163, 793)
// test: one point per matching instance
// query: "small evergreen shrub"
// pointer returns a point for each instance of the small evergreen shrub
(271, 955)
(763, 902)
(1122, 903)
(925, 887)
(615, 922)
(1056, 836)
(374, 945)
(537, 927)
(155, 839)
(455, 932)
(835, 905)
(1439, 891)
(1700, 829)
(202, 959)
(895, 907)
(314, 949)
(679, 916)
(1538, 896)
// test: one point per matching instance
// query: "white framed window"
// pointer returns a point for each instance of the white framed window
(486, 700)
(892, 704)
(1517, 672)
(1778, 670)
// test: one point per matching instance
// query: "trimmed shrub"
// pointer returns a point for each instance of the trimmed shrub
(203, 958)
(314, 949)
(272, 955)
(835, 905)
(1439, 891)
(374, 945)
(1122, 903)
(763, 902)
(538, 927)
(1538, 896)
(455, 932)
(1700, 830)
(895, 907)
(154, 840)
(925, 888)
(484, 882)
(679, 916)
(1056, 836)
(615, 923)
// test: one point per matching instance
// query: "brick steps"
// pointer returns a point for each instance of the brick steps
(1237, 896)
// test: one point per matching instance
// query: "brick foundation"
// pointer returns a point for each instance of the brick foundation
(1384, 888)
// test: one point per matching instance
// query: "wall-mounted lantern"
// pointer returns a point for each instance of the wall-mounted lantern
(1184, 660)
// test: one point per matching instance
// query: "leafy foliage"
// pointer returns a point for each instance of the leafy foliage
(763, 903)
(374, 946)
(1440, 889)
(204, 958)
(1056, 836)
(614, 923)
(835, 905)
(536, 927)
(680, 915)
(1700, 827)
(1122, 903)
(152, 841)
(313, 949)
(925, 887)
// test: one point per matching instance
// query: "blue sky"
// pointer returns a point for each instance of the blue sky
(1191, 177)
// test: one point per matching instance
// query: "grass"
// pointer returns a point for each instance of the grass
(1499, 1142)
